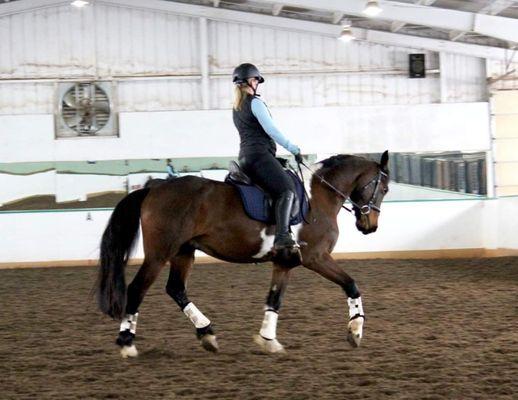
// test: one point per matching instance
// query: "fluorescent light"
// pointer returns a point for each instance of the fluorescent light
(346, 35)
(79, 3)
(372, 8)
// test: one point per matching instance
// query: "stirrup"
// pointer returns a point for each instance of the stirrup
(285, 241)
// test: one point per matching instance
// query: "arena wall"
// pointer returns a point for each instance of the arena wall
(405, 228)
(433, 127)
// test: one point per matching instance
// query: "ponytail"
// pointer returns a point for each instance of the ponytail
(240, 93)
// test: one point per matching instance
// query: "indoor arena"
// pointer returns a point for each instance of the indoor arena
(259, 199)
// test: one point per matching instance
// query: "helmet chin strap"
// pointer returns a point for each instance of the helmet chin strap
(254, 89)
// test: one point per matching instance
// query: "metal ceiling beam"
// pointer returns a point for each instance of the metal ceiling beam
(493, 8)
(417, 42)
(452, 20)
(396, 26)
(456, 35)
(17, 7)
(497, 6)
(277, 8)
(289, 24)
(337, 17)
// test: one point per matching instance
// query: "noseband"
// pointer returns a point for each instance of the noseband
(371, 204)
(366, 208)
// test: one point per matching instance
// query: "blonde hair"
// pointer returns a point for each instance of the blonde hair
(240, 93)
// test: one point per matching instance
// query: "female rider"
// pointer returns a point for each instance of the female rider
(257, 150)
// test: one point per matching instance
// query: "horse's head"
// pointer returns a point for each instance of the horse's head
(368, 193)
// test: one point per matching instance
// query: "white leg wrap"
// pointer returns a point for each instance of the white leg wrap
(197, 318)
(355, 307)
(129, 322)
(269, 326)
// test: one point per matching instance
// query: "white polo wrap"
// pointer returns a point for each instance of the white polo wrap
(129, 322)
(197, 318)
(269, 326)
(355, 307)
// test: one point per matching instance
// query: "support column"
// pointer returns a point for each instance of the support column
(505, 141)
(443, 77)
(204, 64)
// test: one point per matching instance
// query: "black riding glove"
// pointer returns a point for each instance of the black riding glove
(299, 159)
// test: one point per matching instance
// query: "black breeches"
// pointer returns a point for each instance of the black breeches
(267, 172)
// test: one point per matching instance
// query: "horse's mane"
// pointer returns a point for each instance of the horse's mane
(340, 159)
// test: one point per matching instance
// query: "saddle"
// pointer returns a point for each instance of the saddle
(258, 204)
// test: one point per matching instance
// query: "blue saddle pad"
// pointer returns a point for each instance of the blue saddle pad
(257, 205)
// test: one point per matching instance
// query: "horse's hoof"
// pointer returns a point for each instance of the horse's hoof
(269, 346)
(354, 339)
(355, 332)
(129, 351)
(209, 343)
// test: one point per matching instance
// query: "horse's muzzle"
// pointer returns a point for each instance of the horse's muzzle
(366, 230)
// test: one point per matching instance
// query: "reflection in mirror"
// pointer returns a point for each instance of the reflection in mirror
(102, 184)
(445, 175)
(92, 184)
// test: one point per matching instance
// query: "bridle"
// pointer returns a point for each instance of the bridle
(364, 209)
(371, 205)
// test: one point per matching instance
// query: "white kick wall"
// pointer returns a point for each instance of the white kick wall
(174, 97)
(403, 226)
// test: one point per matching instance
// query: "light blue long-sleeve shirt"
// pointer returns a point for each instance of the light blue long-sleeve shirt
(261, 112)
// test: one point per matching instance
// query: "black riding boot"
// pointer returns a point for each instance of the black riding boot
(283, 206)
(286, 249)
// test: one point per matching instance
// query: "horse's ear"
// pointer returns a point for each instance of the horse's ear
(384, 160)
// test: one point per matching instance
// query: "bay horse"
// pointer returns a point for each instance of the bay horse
(191, 213)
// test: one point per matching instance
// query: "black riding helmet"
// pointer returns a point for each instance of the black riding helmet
(244, 72)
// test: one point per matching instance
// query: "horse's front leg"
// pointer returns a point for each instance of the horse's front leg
(267, 338)
(327, 267)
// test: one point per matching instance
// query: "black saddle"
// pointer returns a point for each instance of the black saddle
(236, 174)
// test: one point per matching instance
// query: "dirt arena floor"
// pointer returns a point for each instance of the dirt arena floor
(436, 329)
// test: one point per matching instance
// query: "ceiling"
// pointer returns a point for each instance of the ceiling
(446, 25)
(430, 26)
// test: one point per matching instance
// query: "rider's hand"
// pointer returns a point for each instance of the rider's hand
(298, 158)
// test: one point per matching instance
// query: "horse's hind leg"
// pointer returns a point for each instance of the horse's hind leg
(267, 338)
(137, 289)
(181, 264)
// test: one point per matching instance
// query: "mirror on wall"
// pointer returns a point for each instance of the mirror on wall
(440, 175)
(91, 184)
(102, 184)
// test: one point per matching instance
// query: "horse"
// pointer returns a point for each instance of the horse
(182, 215)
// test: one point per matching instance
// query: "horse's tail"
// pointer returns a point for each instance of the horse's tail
(116, 246)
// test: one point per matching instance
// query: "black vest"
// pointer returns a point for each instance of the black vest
(253, 137)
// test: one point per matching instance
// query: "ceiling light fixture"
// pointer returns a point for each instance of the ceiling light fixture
(346, 35)
(79, 3)
(372, 8)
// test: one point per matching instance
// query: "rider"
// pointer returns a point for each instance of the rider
(257, 132)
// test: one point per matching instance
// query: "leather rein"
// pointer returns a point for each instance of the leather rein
(366, 208)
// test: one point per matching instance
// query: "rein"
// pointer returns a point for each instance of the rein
(366, 208)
